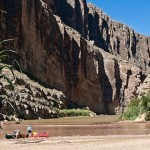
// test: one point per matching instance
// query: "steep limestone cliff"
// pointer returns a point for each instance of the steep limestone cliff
(118, 39)
(72, 12)
(94, 61)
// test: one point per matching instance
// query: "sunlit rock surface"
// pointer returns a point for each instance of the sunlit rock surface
(77, 49)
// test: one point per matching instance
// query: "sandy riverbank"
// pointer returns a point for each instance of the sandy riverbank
(117, 142)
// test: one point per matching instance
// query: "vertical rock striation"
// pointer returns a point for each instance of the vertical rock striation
(77, 49)
(118, 39)
(72, 12)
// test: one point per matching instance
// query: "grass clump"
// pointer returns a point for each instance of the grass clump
(137, 107)
(73, 112)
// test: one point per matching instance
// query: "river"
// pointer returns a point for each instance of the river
(80, 126)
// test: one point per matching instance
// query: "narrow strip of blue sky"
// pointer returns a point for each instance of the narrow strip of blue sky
(134, 13)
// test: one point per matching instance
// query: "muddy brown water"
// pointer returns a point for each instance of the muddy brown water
(79, 128)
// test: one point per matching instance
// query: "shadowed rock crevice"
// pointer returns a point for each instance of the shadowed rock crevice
(105, 85)
(95, 31)
(67, 63)
(129, 73)
(72, 13)
(133, 44)
(118, 84)
(13, 9)
(75, 61)
(105, 35)
(83, 45)
(79, 17)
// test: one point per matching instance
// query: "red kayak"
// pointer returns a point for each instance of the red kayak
(44, 134)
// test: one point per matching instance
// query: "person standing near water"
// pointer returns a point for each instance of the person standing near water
(29, 130)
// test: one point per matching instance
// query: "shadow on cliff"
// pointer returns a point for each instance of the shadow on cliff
(71, 16)
(119, 95)
(105, 86)
(70, 57)
(94, 31)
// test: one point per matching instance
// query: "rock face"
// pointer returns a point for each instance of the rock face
(118, 39)
(145, 87)
(29, 99)
(78, 50)
(72, 12)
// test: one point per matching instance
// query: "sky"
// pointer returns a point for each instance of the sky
(134, 13)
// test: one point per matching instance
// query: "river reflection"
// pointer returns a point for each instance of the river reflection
(103, 129)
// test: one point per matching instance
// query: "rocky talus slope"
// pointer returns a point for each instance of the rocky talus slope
(75, 48)
(28, 99)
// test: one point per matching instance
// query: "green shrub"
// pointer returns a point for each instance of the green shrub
(134, 102)
(137, 107)
(131, 113)
(73, 112)
(145, 103)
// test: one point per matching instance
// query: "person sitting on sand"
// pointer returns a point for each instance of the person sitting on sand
(29, 130)
(17, 133)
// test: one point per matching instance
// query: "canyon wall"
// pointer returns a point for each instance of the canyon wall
(118, 39)
(77, 49)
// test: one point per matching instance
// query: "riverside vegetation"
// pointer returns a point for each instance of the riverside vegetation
(74, 112)
(137, 107)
